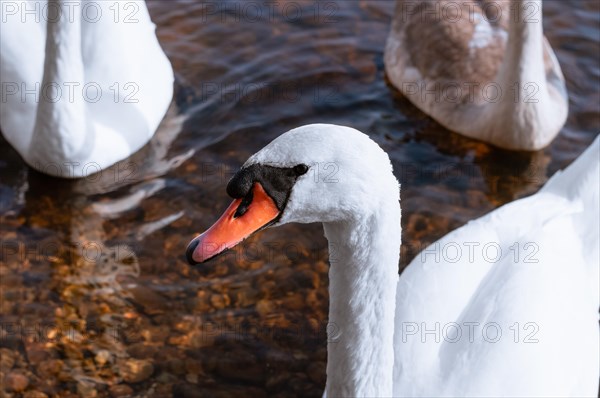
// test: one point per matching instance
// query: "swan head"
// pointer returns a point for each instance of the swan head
(314, 173)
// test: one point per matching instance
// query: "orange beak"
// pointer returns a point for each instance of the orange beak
(238, 222)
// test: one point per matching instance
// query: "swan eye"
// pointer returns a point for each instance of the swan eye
(244, 205)
(300, 169)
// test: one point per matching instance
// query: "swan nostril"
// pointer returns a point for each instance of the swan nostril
(244, 205)
(190, 251)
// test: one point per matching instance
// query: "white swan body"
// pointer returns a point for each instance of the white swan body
(521, 285)
(370, 307)
(97, 95)
(483, 69)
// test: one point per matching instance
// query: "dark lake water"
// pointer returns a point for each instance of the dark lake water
(96, 296)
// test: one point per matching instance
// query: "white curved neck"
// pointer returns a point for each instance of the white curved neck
(524, 58)
(363, 275)
(60, 125)
(527, 109)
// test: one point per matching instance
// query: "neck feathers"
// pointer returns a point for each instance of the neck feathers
(364, 256)
(60, 126)
(524, 59)
(533, 111)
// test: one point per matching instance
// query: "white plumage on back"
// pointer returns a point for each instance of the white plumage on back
(529, 271)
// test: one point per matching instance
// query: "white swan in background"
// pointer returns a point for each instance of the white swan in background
(481, 68)
(370, 307)
(97, 95)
